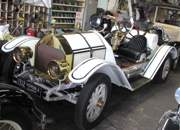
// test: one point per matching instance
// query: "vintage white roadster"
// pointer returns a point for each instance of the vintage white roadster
(81, 68)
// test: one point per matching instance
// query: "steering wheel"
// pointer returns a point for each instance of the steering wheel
(135, 31)
(124, 26)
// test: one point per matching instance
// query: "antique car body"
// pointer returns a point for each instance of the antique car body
(80, 68)
(168, 17)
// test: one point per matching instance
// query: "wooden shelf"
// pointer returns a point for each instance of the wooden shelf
(12, 17)
(67, 5)
(63, 17)
(66, 23)
(65, 12)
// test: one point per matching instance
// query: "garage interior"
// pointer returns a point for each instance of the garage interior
(137, 110)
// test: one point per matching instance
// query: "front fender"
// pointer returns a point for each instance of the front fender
(81, 73)
(21, 41)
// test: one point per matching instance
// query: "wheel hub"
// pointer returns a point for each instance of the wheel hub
(100, 103)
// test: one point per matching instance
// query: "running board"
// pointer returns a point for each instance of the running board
(138, 83)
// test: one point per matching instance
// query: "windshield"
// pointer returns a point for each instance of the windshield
(168, 16)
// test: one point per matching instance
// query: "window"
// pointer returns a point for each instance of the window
(168, 16)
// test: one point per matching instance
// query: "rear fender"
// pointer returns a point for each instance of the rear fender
(157, 60)
(81, 73)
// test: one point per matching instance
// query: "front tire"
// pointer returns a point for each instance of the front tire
(92, 101)
(164, 71)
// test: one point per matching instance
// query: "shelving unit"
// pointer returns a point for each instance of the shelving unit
(13, 14)
(66, 13)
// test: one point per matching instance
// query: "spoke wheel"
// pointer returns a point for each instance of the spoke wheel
(92, 101)
(96, 102)
(9, 125)
(137, 32)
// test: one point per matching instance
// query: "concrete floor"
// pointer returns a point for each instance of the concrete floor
(139, 110)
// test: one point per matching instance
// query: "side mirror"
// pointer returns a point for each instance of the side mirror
(177, 95)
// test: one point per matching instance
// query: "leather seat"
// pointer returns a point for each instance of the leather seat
(134, 49)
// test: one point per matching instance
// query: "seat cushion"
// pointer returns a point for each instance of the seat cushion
(138, 43)
(129, 53)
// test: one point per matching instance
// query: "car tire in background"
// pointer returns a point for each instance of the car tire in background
(93, 101)
(17, 116)
(9, 125)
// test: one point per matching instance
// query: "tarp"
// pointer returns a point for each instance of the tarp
(46, 3)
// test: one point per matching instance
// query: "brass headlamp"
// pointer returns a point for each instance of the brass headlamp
(22, 54)
(58, 69)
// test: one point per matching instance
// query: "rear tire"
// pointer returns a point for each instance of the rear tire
(93, 101)
(163, 71)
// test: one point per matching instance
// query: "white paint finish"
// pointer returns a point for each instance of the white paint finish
(99, 54)
(93, 39)
(80, 57)
(11, 45)
(81, 73)
(88, 67)
(109, 56)
(157, 60)
(152, 40)
(76, 41)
